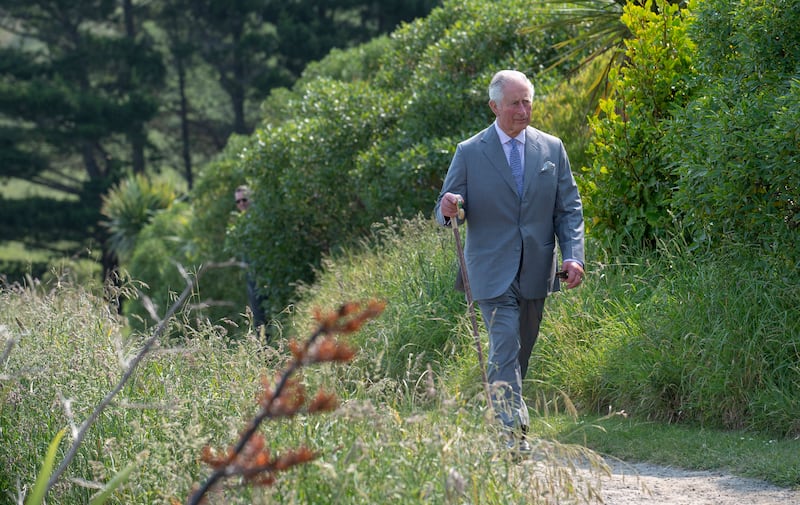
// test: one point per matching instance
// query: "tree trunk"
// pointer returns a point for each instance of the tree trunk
(184, 113)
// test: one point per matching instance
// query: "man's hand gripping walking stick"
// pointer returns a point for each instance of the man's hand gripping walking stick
(470, 304)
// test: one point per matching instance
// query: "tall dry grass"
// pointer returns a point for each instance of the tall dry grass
(389, 442)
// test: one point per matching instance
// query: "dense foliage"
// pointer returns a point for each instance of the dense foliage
(736, 146)
(632, 177)
(94, 90)
(188, 235)
(129, 206)
(355, 151)
(697, 143)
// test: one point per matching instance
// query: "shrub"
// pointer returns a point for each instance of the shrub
(634, 180)
(737, 145)
(129, 206)
(193, 232)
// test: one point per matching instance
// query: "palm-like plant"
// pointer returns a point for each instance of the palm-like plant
(599, 33)
(129, 206)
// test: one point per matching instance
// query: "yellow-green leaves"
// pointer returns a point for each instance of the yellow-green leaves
(40, 487)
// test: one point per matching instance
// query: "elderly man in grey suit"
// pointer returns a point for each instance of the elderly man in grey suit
(519, 199)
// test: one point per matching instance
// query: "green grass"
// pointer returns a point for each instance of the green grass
(383, 445)
(412, 426)
(19, 189)
(680, 336)
(14, 250)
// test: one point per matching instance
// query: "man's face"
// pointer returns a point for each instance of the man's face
(514, 112)
(242, 201)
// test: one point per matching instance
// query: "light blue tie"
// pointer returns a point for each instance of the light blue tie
(516, 165)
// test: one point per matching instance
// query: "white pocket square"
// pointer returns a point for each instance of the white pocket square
(548, 165)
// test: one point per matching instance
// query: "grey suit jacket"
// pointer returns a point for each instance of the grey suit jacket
(506, 232)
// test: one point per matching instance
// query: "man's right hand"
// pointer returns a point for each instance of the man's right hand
(449, 205)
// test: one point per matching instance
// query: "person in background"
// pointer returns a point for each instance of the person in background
(520, 199)
(255, 298)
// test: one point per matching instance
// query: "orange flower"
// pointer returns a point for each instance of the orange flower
(292, 397)
(296, 457)
(323, 402)
(328, 349)
(338, 322)
(298, 350)
(250, 458)
(210, 457)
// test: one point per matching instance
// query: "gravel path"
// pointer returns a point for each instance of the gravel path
(642, 483)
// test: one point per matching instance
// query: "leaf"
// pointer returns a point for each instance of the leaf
(40, 486)
(120, 478)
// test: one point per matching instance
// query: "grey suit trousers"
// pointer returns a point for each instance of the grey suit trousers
(513, 323)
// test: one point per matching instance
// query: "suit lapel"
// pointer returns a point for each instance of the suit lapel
(493, 151)
(532, 159)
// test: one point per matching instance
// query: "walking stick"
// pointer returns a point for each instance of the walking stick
(470, 305)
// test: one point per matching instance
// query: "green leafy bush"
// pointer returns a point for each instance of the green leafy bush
(736, 147)
(352, 152)
(194, 232)
(154, 263)
(633, 179)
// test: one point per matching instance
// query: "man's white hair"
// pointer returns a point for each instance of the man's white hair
(499, 81)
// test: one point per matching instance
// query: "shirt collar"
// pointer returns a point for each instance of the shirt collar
(504, 138)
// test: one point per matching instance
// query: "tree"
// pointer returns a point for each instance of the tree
(180, 55)
(256, 46)
(76, 93)
(239, 42)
